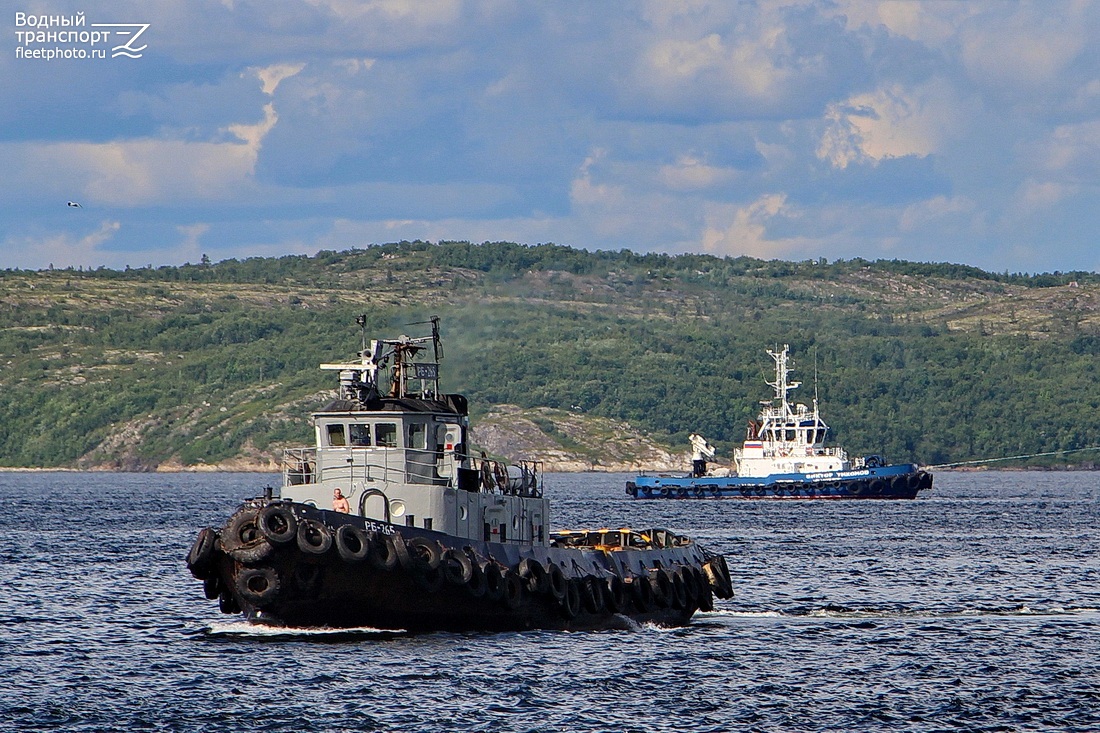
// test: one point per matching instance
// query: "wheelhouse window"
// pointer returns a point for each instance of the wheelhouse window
(358, 434)
(385, 435)
(418, 436)
(336, 435)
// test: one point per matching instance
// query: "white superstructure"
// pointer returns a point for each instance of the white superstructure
(787, 438)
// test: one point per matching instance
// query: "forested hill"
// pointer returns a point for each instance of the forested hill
(216, 364)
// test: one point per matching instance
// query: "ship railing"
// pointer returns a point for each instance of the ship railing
(798, 452)
(524, 478)
(299, 466)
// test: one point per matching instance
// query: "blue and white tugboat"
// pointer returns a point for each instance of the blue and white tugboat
(388, 523)
(784, 456)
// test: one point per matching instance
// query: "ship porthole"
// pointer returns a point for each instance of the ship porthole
(397, 508)
(463, 513)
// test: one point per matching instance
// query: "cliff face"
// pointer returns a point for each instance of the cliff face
(569, 441)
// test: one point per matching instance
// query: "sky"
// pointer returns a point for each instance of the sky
(939, 131)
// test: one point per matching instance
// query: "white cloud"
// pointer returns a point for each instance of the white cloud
(690, 172)
(890, 122)
(743, 230)
(924, 214)
(147, 171)
(270, 76)
(1024, 46)
(63, 249)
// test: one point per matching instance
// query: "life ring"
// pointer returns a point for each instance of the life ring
(512, 590)
(314, 537)
(642, 593)
(555, 581)
(533, 574)
(457, 567)
(258, 586)
(382, 555)
(352, 543)
(200, 558)
(494, 580)
(571, 601)
(242, 540)
(278, 524)
(424, 554)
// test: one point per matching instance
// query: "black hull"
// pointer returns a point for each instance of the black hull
(341, 571)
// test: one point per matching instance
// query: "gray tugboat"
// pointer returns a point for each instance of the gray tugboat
(424, 538)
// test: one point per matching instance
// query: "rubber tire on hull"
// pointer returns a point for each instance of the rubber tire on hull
(477, 587)
(278, 524)
(201, 555)
(534, 574)
(571, 601)
(616, 596)
(456, 566)
(242, 540)
(352, 543)
(259, 586)
(314, 538)
(494, 580)
(228, 604)
(423, 554)
(212, 587)
(513, 590)
(642, 593)
(383, 554)
(556, 582)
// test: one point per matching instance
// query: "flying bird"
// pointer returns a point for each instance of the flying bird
(75, 205)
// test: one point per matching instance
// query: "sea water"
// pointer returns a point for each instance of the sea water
(973, 607)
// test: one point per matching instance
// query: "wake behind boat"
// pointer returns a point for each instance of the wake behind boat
(422, 538)
(784, 456)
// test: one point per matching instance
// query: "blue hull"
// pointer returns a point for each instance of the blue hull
(886, 482)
